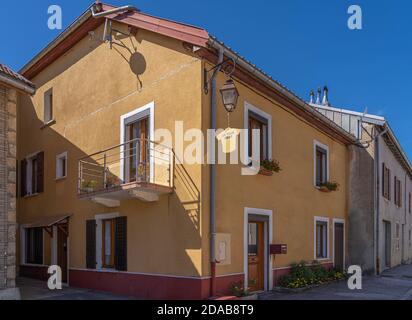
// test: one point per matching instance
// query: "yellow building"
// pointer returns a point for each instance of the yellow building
(118, 211)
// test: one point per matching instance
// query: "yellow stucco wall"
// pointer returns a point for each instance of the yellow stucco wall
(92, 87)
(290, 194)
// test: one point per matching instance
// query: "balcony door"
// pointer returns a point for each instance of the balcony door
(137, 150)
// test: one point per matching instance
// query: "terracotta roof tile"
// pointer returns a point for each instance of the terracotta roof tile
(6, 71)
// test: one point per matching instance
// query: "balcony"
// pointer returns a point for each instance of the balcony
(137, 169)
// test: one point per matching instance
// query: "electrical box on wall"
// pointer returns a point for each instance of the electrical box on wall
(223, 249)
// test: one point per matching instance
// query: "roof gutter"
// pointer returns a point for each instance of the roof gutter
(17, 84)
(388, 130)
(217, 45)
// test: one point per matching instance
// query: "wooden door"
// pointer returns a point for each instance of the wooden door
(388, 243)
(137, 150)
(339, 246)
(62, 251)
(256, 256)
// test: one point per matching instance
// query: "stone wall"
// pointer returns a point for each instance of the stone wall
(361, 208)
(8, 111)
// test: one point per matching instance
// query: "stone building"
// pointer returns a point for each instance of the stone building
(11, 86)
(380, 196)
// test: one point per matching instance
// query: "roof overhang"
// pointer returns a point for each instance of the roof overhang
(47, 222)
(396, 148)
(251, 75)
(86, 23)
(17, 84)
(206, 47)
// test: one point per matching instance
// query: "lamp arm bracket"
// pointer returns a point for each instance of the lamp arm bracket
(220, 65)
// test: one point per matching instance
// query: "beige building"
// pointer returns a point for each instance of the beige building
(12, 86)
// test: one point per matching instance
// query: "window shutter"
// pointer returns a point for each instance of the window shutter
(384, 181)
(23, 168)
(121, 244)
(40, 172)
(91, 244)
(389, 185)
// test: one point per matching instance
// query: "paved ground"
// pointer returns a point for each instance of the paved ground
(37, 290)
(395, 284)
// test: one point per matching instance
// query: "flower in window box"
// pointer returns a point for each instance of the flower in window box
(329, 186)
(268, 167)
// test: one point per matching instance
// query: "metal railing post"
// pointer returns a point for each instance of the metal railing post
(80, 178)
(104, 170)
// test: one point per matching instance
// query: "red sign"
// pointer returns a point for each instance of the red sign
(278, 249)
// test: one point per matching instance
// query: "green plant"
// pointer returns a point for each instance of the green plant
(330, 185)
(112, 180)
(271, 165)
(89, 185)
(301, 275)
(238, 288)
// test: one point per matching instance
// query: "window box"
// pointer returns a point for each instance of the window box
(268, 167)
(265, 172)
(328, 187)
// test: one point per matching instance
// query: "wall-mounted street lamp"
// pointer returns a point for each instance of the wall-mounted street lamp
(230, 95)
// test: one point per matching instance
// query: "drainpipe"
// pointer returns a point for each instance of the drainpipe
(377, 198)
(213, 126)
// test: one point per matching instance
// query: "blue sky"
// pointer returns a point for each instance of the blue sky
(303, 44)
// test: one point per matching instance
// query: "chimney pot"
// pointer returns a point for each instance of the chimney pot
(318, 96)
(312, 97)
(325, 100)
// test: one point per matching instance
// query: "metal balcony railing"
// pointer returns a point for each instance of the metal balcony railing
(133, 162)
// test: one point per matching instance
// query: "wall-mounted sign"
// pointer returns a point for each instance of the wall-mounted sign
(228, 139)
(278, 249)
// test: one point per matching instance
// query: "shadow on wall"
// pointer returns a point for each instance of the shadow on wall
(165, 233)
(361, 208)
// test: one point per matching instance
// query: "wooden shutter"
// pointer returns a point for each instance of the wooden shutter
(40, 172)
(23, 169)
(120, 259)
(91, 244)
(389, 184)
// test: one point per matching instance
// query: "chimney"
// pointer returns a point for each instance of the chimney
(98, 7)
(312, 97)
(318, 96)
(325, 100)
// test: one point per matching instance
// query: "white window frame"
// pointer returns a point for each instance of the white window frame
(60, 156)
(99, 229)
(46, 104)
(268, 278)
(23, 230)
(342, 221)
(249, 107)
(326, 148)
(147, 110)
(315, 221)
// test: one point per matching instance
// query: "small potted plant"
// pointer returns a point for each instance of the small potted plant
(89, 185)
(268, 167)
(329, 186)
(238, 290)
(112, 181)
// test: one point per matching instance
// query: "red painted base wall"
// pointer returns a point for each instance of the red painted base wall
(150, 287)
(35, 272)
